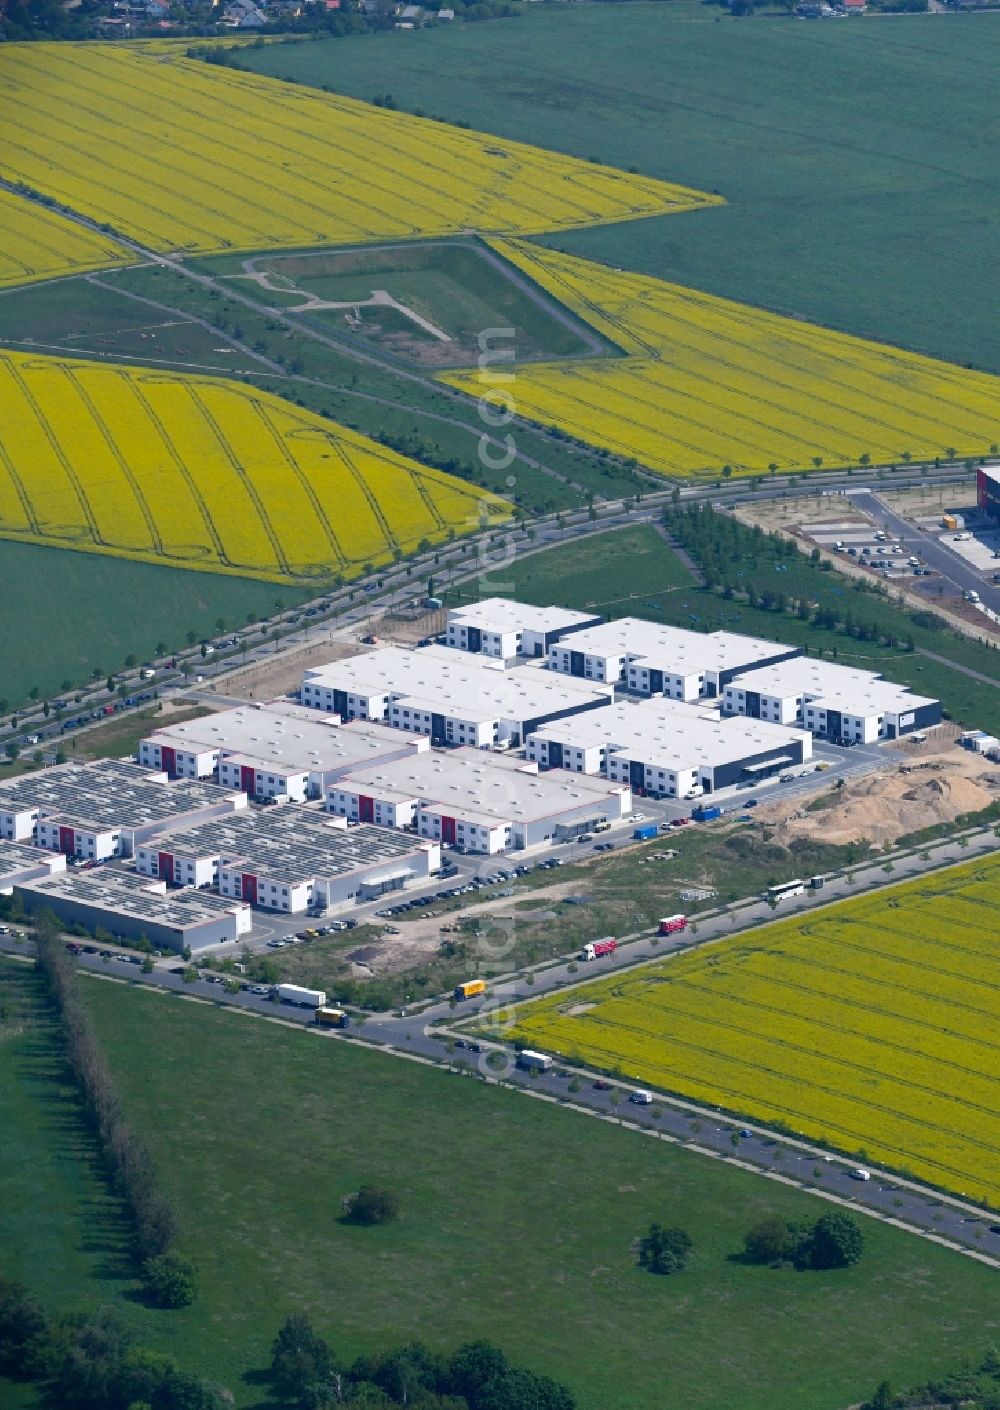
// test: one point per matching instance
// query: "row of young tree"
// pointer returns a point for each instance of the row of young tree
(169, 1279)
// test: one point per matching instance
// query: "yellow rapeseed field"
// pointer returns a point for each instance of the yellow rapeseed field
(205, 473)
(706, 383)
(35, 243)
(180, 155)
(874, 1025)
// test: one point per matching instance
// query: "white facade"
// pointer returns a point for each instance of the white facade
(836, 702)
(20, 862)
(667, 748)
(651, 659)
(278, 751)
(456, 698)
(105, 809)
(502, 628)
(484, 803)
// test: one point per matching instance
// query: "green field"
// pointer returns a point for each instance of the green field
(260, 1130)
(91, 611)
(633, 572)
(459, 286)
(873, 207)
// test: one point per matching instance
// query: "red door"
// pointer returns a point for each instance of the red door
(250, 888)
(67, 841)
(166, 862)
(447, 829)
(366, 808)
(248, 779)
(168, 760)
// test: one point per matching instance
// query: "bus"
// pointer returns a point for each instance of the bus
(788, 888)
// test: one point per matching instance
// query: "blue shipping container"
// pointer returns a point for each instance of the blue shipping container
(645, 832)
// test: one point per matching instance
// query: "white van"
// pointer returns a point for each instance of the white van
(860, 1174)
(642, 1098)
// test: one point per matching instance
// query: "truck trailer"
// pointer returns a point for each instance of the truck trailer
(332, 1018)
(470, 989)
(597, 949)
(539, 1062)
(304, 998)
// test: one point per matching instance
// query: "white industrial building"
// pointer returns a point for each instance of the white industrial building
(104, 809)
(652, 659)
(668, 748)
(454, 698)
(836, 702)
(480, 802)
(278, 751)
(290, 859)
(132, 907)
(20, 862)
(500, 627)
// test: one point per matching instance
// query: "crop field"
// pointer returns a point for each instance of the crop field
(709, 383)
(36, 243)
(205, 473)
(139, 139)
(872, 1026)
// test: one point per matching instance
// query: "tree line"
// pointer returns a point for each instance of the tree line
(169, 1279)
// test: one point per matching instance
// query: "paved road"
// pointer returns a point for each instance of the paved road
(424, 1035)
(936, 552)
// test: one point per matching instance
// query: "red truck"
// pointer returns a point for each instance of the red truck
(669, 925)
(597, 949)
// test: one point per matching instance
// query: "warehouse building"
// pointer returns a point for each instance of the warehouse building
(290, 859)
(988, 490)
(667, 748)
(480, 803)
(133, 908)
(651, 659)
(104, 809)
(278, 751)
(21, 862)
(455, 699)
(500, 627)
(840, 703)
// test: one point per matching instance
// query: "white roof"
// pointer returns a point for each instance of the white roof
(456, 683)
(502, 614)
(670, 734)
(489, 789)
(673, 649)
(826, 683)
(286, 737)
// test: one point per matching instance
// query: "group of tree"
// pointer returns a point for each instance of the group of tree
(977, 1387)
(169, 1278)
(478, 1376)
(835, 1240)
(664, 1250)
(91, 1361)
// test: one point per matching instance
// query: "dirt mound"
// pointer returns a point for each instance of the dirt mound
(883, 806)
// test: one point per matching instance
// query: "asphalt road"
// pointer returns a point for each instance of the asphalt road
(936, 552)
(425, 1035)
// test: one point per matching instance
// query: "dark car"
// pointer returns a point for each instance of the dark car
(601, 1086)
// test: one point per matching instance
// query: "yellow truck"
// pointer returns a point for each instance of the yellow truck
(471, 989)
(332, 1018)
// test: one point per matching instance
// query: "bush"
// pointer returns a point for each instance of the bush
(372, 1205)
(836, 1241)
(169, 1280)
(771, 1241)
(664, 1250)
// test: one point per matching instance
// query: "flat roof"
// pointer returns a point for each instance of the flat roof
(855, 691)
(483, 787)
(140, 897)
(503, 614)
(669, 733)
(110, 793)
(16, 857)
(472, 687)
(681, 651)
(289, 737)
(290, 841)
